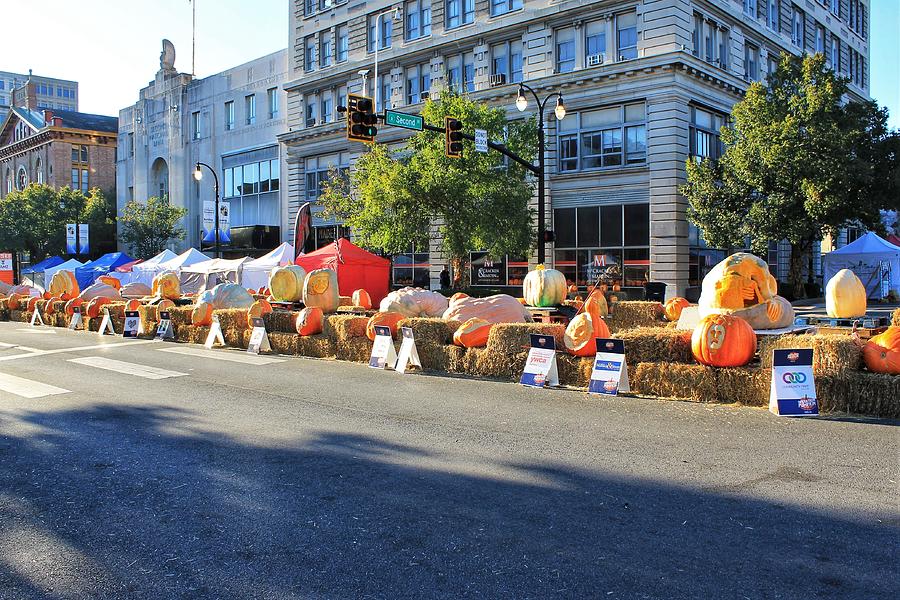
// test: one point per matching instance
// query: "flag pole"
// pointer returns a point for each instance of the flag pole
(193, 37)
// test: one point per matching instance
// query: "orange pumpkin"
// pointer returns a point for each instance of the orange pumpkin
(49, 309)
(723, 341)
(64, 285)
(110, 281)
(473, 333)
(386, 319)
(882, 352)
(202, 314)
(596, 304)
(15, 301)
(522, 301)
(361, 298)
(165, 304)
(71, 304)
(582, 332)
(132, 305)
(32, 304)
(257, 310)
(458, 296)
(47, 295)
(310, 321)
(93, 306)
(674, 307)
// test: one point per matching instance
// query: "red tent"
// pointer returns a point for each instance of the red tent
(127, 267)
(894, 239)
(355, 268)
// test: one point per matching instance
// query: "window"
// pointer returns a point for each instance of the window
(380, 26)
(607, 137)
(418, 19)
(836, 7)
(461, 72)
(250, 108)
(85, 187)
(411, 267)
(310, 45)
(130, 144)
(310, 8)
(327, 107)
(318, 171)
(626, 35)
(820, 39)
(229, 115)
(501, 7)
(418, 82)
(595, 43)
(798, 26)
(384, 92)
(835, 54)
(460, 12)
(272, 97)
(75, 173)
(751, 62)
(704, 133)
(326, 49)
(343, 43)
(565, 50)
(312, 110)
(39, 169)
(506, 60)
(79, 153)
(252, 187)
(195, 125)
(341, 100)
(772, 14)
(750, 8)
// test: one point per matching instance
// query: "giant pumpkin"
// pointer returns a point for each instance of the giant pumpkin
(257, 310)
(98, 289)
(286, 283)
(50, 309)
(385, 319)
(166, 285)
(64, 285)
(136, 289)
(320, 288)
(596, 304)
(310, 321)
(16, 300)
(674, 307)
(110, 281)
(94, 305)
(71, 304)
(882, 352)
(723, 341)
(845, 296)
(741, 285)
(362, 299)
(202, 314)
(473, 333)
(32, 304)
(414, 302)
(164, 305)
(544, 287)
(582, 332)
(493, 309)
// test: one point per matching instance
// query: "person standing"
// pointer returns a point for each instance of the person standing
(445, 278)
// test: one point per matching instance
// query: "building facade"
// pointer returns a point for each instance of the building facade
(229, 121)
(50, 92)
(647, 83)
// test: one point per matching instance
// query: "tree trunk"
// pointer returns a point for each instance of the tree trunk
(795, 275)
(460, 272)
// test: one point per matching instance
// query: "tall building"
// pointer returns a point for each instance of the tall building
(229, 121)
(647, 84)
(50, 92)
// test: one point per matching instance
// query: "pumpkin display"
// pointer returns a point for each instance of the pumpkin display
(544, 287)
(596, 304)
(362, 299)
(414, 302)
(882, 352)
(493, 309)
(582, 332)
(32, 304)
(49, 309)
(385, 319)
(320, 288)
(166, 285)
(16, 300)
(92, 311)
(226, 295)
(257, 310)
(723, 341)
(135, 290)
(674, 306)
(64, 285)
(741, 285)
(164, 304)
(202, 314)
(473, 333)
(286, 283)
(132, 305)
(310, 321)
(99, 289)
(71, 304)
(458, 296)
(845, 296)
(110, 281)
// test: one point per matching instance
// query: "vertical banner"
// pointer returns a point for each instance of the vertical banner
(6, 267)
(610, 373)
(71, 238)
(224, 222)
(793, 391)
(209, 221)
(409, 354)
(540, 366)
(84, 239)
(383, 354)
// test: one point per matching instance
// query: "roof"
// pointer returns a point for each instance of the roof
(342, 251)
(44, 264)
(870, 243)
(70, 119)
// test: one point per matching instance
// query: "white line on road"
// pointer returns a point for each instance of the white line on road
(232, 356)
(126, 368)
(27, 388)
(36, 330)
(75, 349)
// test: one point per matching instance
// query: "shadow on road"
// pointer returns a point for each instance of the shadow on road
(141, 502)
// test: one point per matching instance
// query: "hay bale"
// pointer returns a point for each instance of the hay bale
(872, 394)
(18, 315)
(316, 346)
(234, 325)
(346, 327)
(574, 371)
(743, 385)
(513, 338)
(500, 366)
(832, 354)
(629, 314)
(453, 358)
(149, 318)
(355, 309)
(198, 334)
(354, 349)
(895, 317)
(345, 300)
(284, 321)
(284, 343)
(656, 344)
(696, 383)
(430, 331)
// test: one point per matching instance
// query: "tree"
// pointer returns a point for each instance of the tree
(148, 227)
(799, 162)
(391, 199)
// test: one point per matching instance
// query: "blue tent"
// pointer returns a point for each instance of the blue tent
(89, 273)
(47, 263)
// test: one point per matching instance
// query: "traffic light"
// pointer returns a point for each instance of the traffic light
(361, 120)
(453, 137)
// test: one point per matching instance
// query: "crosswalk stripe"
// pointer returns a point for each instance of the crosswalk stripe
(103, 346)
(126, 368)
(227, 355)
(27, 388)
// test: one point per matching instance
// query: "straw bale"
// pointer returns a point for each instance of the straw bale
(656, 344)
(354, 349)
(346, 327)
(574, 370)
(19, 315)
(284, 321)
(453, 359)
(4, 304)
(743, 385)
(832, 354)
(355, 309)
(696, 383)
(872, 394)
(234, 323)
(430, 331)
(501, 366)
(198, 334)
(469, 360)
(895, 317)
(512, 338)
(629, 314)
(284, 343)
(149, 318)
(316, 346)
(181, 315)
(345, 300)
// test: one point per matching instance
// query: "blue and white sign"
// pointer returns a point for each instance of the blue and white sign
(540, 366)
(383, 354)
(610, 373)
(84, 239)
(793, 391)
(71, 239)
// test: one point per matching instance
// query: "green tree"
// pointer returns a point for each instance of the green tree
(391, 199)
(799, 162)
(34, 219)
(148, 227)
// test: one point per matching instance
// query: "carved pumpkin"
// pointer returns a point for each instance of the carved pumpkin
(257, 310)
(64, 285)
(286, 283)
(723, 341)
(202, 314)
(845, 296)
(320, 288)
(582, 332)
(32, 304)
(71, 304)
(493, 309)
(94, 305)
(544, 287)
(361, 298)
(458, 296)
(132, 305)
(384, 319)
(741, 285)
(882, 352)
(310, 321)
(596, 304)
(50, 309)
(415, 302)
(473, 333)
(166, 285)
(674, 307)
(110, 281)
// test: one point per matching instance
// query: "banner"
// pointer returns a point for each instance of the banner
(209, 221)
(610, 373)
(71, 239)
(133, 326)
(540, 366)
(84, 239)
(164, 329)
(6, 267)
(224, 222)
(259, 339)
(793, 391)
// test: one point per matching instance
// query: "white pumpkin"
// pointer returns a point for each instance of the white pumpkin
(845, 296)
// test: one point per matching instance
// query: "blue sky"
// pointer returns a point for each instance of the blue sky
(111, 47)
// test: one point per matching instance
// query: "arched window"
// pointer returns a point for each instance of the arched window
(160, 174)
(9, 182)
(39, 171)
(21, 178)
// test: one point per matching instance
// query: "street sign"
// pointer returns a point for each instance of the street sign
(481, 141)
(404, 120)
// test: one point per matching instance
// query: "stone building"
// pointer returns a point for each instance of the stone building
(50, 92)
(646, 83)
(229, 121)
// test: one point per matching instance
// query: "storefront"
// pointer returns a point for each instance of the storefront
(411, 268)
(506, 271)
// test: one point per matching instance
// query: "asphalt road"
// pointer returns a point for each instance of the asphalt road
(319, 479)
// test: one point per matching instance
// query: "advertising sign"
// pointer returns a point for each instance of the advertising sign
(75, 321)
(84, 239)
(793, 391)
(71, 238)
(164, 329)
(224, 222)
(409, 354)
(133, 326)
(215, 334)
(610, 373)
(383, 354)
(540, 366)
(487, 271)
(209, 220)
(259, 339)
(6, 267)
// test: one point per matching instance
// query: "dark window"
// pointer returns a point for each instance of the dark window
(588, 226)
(637, 224)
(564, 227)
(611, 225)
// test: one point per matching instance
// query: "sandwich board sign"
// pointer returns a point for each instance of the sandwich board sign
(164, 329)
(610, 373)
(540, 366)
(133, 326)
(408, 355)
(383, 354)
(106, 324)
(259, 339)
(75, 322)
(36, 318)
(215, 334)
(793, 391)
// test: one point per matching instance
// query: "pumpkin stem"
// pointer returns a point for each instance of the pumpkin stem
(539, 268)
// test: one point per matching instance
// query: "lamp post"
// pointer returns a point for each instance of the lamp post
(198, 175)
(376, 84)
(560, 111)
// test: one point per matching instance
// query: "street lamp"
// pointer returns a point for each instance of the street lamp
(198, 175)
(560, 111)
(396, 16)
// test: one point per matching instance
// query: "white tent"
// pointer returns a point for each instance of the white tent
(874, 260)
(145, 272)
(69, 265)
(205, 275)
(256, 272)
(189, 257)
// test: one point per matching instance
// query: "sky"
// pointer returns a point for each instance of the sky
(111, 47)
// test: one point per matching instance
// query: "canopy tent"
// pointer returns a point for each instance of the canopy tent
(34, 275)
(189, 257)
(256, 272)
(205, 275)
(356, 268)
(128, 267)
(894, 239)
(88, 274)
(874, 260)
(69, 265)
(145, 271)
